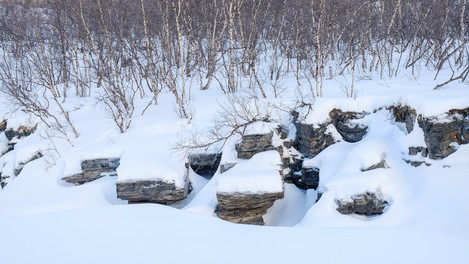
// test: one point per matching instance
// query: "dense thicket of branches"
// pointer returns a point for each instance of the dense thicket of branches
(135, 48)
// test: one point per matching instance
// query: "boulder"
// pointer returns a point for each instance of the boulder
(253, 144)
(363, 204)
(443, 133)
(94, 169)
(150, 191)
(347, 126)
(307, 179)
(245, 208)
(205, 165)
(404, 114)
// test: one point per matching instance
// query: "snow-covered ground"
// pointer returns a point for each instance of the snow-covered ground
(45, 220)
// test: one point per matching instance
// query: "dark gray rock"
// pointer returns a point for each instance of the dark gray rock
(413, 151)
(350, 131)
(441, 135)
(307, 179)
(151, 192)
(205, 165)
(404, 114)
(310, 139)
(417, 163)
(253, 144)
(3, 180)
(21, 165)
(380, 165)
(245, 208)
(94, 169)
(362, 204)
(109, 164)
(22, 131)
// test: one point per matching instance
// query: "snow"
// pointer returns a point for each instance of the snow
(45, 220)
(260, 174)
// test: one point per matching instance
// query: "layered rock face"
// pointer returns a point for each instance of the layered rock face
(93, 170)
(253, 144)
(205, 165)
(363, 204)
(442, 133)
(311, 139)
(149, 191)
(307, 179)
(245, 208)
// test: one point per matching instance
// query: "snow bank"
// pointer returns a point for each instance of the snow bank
(260, 174)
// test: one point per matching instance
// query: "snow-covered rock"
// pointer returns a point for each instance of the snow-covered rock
(94, 169)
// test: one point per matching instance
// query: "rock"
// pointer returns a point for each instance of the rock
(349, 130)
(253, 144)
(362, 204)
(22, 131)
(3, 125)
(93, 170)
(417, 163)
(21, 165)
(413, 151)
(226, 166)
(148, 191)
(307, 179)
(205, 165)
(381, 165)
(245, 208)
(404, 114)
(311, 139)
(3, 180)
(441, 133)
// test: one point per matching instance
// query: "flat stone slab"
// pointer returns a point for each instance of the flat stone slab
(94, 169)
(149, 191)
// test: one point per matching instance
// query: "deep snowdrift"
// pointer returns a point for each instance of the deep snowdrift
(46, 220)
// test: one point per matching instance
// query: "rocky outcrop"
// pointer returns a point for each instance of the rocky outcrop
(149, 191)
(312, 139)
(205, 165)
(363, 204)
(347, 125)
(21, 165)
(245, 208)
(442, 133)
(404, 114)
(93, 170)
(307, 179)
(253, 144)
